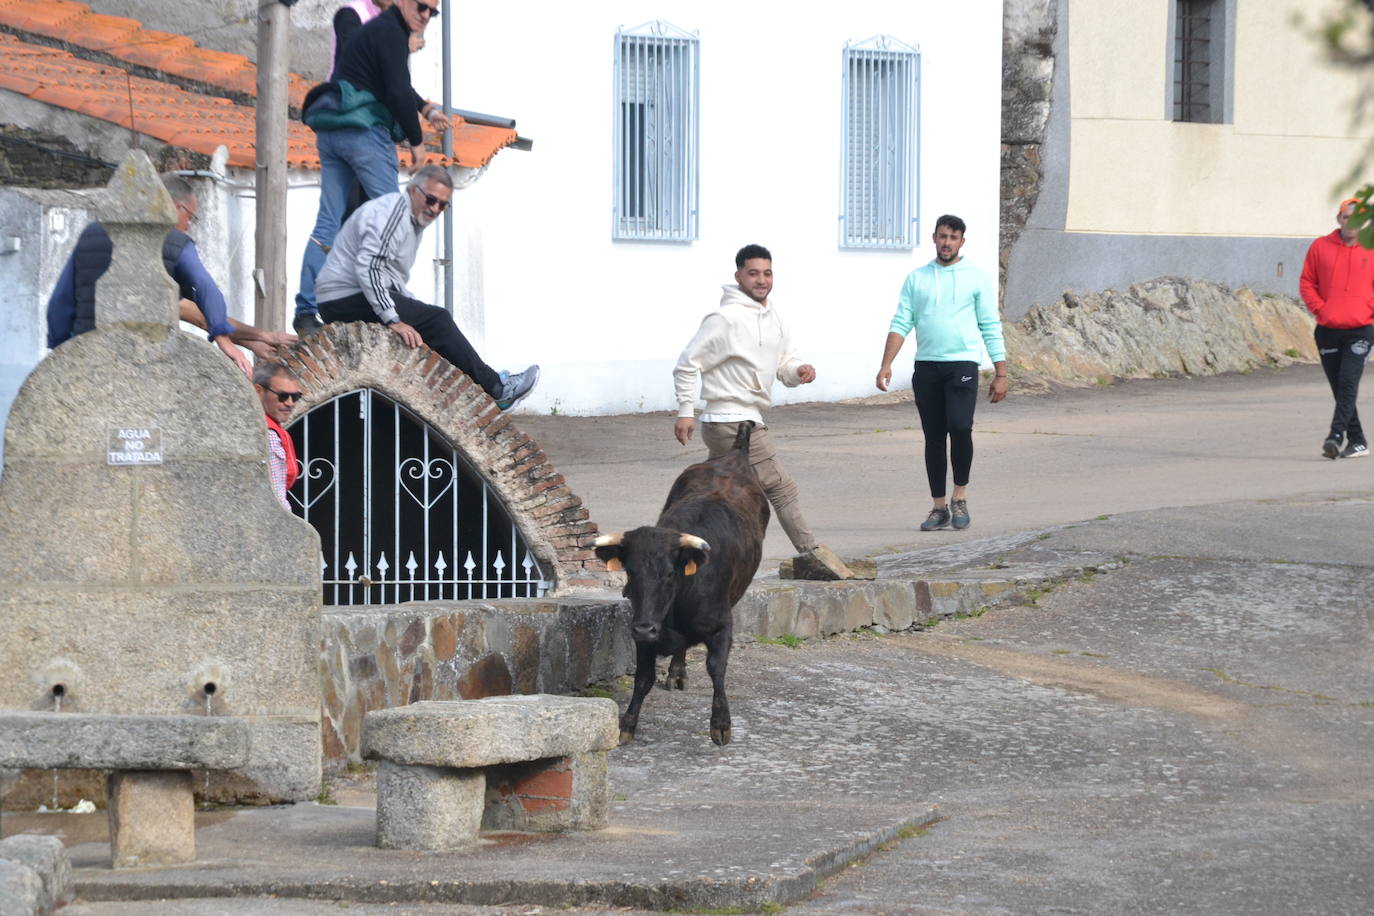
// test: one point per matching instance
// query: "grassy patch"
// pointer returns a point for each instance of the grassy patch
(1223, 676)
(326, 794)
(1102, 518)
(1086, 575)
(969, 615)
(789, 640)
(1291, 353)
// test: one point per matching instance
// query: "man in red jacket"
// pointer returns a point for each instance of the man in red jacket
(1338, 287)
(279, 393)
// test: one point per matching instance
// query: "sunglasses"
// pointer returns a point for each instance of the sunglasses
(431, 200)
(426, 8)
(286, 396)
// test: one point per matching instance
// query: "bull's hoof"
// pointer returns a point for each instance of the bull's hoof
(626, 737)
(677, 683)
(721, 736)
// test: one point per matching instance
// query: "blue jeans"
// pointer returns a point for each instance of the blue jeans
(369, 156)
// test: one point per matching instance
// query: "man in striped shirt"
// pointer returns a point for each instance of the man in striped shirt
(364, 279)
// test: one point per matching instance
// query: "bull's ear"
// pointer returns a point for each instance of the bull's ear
(611, 556)
(690, 559)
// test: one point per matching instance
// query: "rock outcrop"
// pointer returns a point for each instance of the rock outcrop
(1161, 327)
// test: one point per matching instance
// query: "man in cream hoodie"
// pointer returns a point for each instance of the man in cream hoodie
(736, 353)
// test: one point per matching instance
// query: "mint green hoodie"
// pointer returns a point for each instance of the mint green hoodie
(950, 308)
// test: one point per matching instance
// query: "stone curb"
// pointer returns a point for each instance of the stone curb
(747, 892)
(777, 608)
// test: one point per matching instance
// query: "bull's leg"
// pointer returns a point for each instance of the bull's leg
(717, 656)
(677, 672)
(646, 670)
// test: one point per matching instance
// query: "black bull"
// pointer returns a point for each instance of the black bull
(684, 575)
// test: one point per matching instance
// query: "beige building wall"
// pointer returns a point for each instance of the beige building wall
(1270, 173)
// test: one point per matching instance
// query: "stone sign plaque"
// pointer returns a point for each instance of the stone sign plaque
(133, 445)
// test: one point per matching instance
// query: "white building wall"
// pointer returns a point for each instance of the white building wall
(605, 319)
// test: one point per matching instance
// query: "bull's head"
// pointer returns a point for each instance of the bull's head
(655, 561)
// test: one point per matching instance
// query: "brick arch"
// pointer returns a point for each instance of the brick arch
(555, 525)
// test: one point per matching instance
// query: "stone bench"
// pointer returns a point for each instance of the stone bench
(450, 769)
(150, 800)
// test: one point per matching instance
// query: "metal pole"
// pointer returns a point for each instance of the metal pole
(274, 28)
(448, 151)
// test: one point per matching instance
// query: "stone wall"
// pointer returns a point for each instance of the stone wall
(345, 357)
(1028, 70)
(380, 657)
(1166, 326)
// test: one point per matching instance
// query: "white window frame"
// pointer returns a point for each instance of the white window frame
(656, 182)
(880, 144)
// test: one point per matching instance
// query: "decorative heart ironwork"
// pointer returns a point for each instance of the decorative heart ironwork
(436, 469)
(315, 469)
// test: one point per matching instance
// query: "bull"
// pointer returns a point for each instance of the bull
(685, 574)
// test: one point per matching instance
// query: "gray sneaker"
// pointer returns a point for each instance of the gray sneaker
(938, 518)
(958, 510)
(1331, 448)
(1355, 450)
(516, 385)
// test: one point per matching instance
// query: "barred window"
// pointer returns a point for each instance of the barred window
(881, 148)
(1200, 67)
(656, 134)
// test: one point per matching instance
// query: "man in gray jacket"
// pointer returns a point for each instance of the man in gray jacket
(364, 279)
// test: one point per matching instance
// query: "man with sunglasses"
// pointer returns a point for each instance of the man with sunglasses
(364, 279)
(279, 393)
(376, 108)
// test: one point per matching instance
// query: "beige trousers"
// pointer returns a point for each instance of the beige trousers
(779, 487)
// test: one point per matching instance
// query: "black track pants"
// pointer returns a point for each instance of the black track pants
(1343, 353)
(946, 394)
(436, 327)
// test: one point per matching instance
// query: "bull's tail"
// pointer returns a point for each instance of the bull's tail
(746, 429)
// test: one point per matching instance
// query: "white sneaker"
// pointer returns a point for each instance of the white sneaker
(1355, 451)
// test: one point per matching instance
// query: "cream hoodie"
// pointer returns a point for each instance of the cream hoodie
(736, 353)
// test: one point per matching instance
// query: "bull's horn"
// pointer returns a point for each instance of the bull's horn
(691, 540)
(609, 540)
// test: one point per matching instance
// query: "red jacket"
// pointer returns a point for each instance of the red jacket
(287, 446)
(1337, 283)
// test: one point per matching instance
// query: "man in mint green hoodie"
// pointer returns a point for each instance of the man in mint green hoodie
(953, 309)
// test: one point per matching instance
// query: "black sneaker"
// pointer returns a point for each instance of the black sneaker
(515, 386)
(938, 518)
(1331, 448)
(958, 509)
(306, 323)
(1354, 450)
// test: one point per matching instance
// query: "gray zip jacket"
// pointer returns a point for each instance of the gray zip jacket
(372, 255)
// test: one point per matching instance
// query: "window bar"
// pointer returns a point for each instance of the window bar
(396, 501)
(453, 528)
(485, 554)
(335, 565)
(425, 505)
(364, 405)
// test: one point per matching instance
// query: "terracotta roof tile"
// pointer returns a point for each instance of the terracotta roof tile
(127, 40)
(183, 118)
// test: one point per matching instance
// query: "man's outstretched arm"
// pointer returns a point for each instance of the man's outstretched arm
(890, 350)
